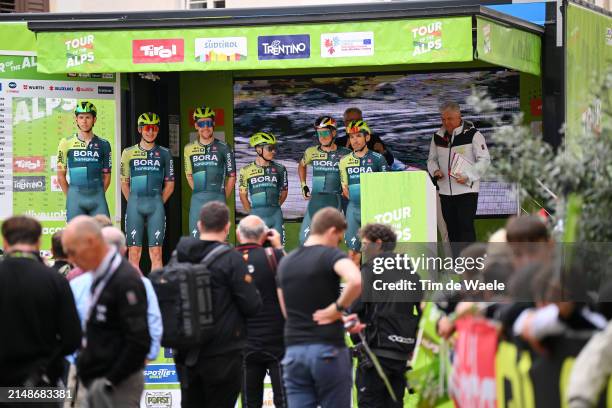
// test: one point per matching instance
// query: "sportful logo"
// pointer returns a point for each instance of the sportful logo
(84, 89)
(272, 47)
(223, 49)
(79, 50)
(357, 44)
(154, 51)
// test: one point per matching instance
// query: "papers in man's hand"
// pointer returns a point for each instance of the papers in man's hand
(460, 166)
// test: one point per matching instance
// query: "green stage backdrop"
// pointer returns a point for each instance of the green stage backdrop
(36, 111)
(589, 58)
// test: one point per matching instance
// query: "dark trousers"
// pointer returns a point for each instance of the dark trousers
(214, 382)
(459, 212)
(255, 366)
(372, 392)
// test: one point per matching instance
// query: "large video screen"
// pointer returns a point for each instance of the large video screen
(401, 109)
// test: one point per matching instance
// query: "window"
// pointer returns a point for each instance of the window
(197, 4)
(202, 4)
(24, 6)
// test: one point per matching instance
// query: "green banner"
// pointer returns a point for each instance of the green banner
(589, 60)
(261, 47)
(409, 204)
(36, 111)
(508, 47)
(16, 38)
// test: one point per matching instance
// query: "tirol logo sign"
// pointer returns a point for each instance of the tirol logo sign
(30, 164)
(270, 47)
(223, 49)
(427, 38)
(154, 51)
(358, 44)
(79, 50)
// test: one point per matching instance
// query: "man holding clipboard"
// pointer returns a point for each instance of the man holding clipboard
(458, 158)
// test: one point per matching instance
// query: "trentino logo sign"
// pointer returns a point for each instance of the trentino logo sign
(271, 47)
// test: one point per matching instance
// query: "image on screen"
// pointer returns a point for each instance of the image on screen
(402, 109)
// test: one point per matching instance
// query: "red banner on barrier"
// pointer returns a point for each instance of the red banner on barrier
(473, 378)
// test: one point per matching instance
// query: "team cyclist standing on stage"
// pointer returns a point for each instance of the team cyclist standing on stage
(147, 176)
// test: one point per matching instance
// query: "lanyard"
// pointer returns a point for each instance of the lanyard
(97, 291)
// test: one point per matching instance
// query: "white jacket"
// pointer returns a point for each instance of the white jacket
(470, 143)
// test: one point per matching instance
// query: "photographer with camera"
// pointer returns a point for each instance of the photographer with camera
(265, 346)
(391, 326)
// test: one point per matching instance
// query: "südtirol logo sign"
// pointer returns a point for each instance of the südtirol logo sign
(79, 50)
(222, 49)
(427, 38)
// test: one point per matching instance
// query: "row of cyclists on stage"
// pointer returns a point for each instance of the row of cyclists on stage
(147, 175)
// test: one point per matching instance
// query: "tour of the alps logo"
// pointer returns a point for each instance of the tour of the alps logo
(271, 47)
(426, 38)
(79, 50)
(156, 51)
(221, 49)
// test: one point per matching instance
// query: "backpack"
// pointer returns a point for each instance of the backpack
(185, 300)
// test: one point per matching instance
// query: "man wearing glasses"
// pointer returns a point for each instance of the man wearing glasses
(147, 182)
(209, 167)
(263, 183)
(324, 159)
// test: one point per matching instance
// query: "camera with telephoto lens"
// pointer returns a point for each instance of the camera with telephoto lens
(363, 361)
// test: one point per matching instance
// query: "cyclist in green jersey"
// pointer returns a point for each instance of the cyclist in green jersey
(209, 167)
(147, 182)
(324, 159)
(86, 159)
(264, 182)
(362, 160)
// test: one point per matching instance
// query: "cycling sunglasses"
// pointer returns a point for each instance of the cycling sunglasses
(324, 132)
(204, 123)
(150, 128)
(270, 148)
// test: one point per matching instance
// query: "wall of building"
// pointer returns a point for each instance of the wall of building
(75, 6)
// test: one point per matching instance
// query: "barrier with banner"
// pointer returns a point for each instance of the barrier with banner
(405, 200)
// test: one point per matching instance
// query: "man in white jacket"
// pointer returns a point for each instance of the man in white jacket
(458, 192)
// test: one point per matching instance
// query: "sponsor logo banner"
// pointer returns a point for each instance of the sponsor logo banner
(357, 44)
(106, 90)
(153, 51)
(80, 50)
(222, 49)
(31, 164)
(158, 399)
(271, 47)
(160, 374)
(29, 184)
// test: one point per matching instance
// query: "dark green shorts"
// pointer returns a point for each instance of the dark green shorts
(145, 212)
(85, 202)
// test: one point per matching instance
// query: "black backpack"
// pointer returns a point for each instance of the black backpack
(185, 300)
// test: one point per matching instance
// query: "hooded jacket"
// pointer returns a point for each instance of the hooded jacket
(234, 295)
(470, 143)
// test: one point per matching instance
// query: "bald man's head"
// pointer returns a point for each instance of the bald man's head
(252, 229)
(83, 242)
(114, 236)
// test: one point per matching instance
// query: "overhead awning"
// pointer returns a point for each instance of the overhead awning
(262, 47)
(381, 34)
(507, 46)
